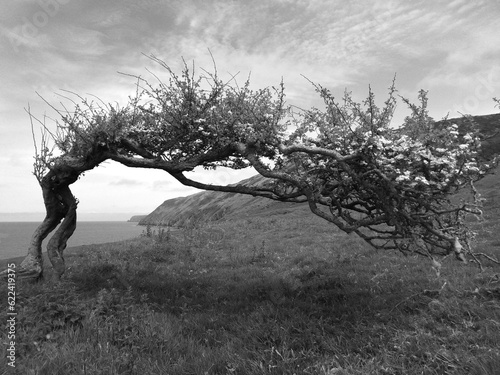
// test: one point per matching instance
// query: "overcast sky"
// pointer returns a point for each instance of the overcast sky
(451, 48)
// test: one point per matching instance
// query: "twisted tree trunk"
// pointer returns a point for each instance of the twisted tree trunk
(32, 265)
(60, 205)
(59, 240)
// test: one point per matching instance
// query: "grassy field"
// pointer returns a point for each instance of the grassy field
(284, 294)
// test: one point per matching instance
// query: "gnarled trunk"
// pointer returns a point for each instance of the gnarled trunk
(60, 205)
(32, 265)
(59, 240)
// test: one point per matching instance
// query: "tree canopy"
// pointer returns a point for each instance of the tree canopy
(391, 185)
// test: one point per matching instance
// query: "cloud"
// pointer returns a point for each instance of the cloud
(470, 59)
(448, 47)
(126, 182)
(162, 184)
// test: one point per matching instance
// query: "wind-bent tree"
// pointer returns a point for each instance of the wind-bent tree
(391, 186)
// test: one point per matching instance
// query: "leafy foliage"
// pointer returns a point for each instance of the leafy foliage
(390, 185)
(380, 176)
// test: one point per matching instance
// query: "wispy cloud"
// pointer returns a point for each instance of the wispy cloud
(448, 47)
(162, 184)
(126, 182)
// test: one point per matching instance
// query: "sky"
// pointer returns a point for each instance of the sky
(450, 48)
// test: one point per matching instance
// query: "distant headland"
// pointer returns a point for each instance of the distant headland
(136, 218)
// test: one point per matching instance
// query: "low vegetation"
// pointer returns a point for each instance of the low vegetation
(284, 294)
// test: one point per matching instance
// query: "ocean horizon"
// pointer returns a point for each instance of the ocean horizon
(15, 236)
(82, 216)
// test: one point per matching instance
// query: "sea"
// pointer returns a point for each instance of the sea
(15, 236)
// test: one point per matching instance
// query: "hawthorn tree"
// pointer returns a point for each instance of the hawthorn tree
(392, 186)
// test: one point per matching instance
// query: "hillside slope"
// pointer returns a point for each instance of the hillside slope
(489, 128)
(213, 206)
